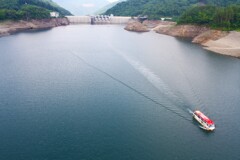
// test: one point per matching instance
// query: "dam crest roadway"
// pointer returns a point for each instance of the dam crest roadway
(99, 19)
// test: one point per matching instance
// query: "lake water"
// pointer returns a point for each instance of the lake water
(85, 92)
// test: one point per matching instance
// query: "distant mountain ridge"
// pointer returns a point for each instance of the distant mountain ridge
(107, 7)
(155, 9)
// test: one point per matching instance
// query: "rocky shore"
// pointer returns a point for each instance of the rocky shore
(222, 42)
(185, 31)
(227, 45)
(147, 25)
(10, 27)
(136, 26)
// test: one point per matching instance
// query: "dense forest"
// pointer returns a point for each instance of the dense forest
(227, 18)
(29, 9)
(155, 9)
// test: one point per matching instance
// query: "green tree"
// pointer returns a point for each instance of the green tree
(34, 12)
(226, 18)
(2, 14)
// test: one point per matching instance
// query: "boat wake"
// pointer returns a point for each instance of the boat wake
(130, 87)
(190, 111)
(195, 96)
(175, 101)
(156, 81)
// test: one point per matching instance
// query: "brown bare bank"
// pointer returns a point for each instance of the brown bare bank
(10, 27)
(222, 42)
(136, 26)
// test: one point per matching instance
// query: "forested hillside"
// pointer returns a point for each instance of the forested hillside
(29, 9)
(227, 18)
(155, 9)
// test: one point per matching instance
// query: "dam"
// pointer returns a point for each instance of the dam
(99, 19)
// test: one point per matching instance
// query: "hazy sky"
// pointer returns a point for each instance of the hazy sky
(83, 7)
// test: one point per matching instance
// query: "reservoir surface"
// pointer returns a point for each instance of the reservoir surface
(85, 92)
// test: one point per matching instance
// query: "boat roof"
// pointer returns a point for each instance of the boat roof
(205, 118)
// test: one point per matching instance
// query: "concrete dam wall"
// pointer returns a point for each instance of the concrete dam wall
(79, 19)
(101, 19)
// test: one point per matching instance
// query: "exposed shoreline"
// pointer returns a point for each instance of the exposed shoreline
(11, 27)
(222, 42)
(228, 45)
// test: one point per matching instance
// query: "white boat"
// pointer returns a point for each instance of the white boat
(206, 122)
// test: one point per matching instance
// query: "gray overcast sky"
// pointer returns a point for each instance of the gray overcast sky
(83, 7)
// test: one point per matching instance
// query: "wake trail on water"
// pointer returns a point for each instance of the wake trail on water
(155, 80)
(200, 103)
(190, 111)
(129, 87)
